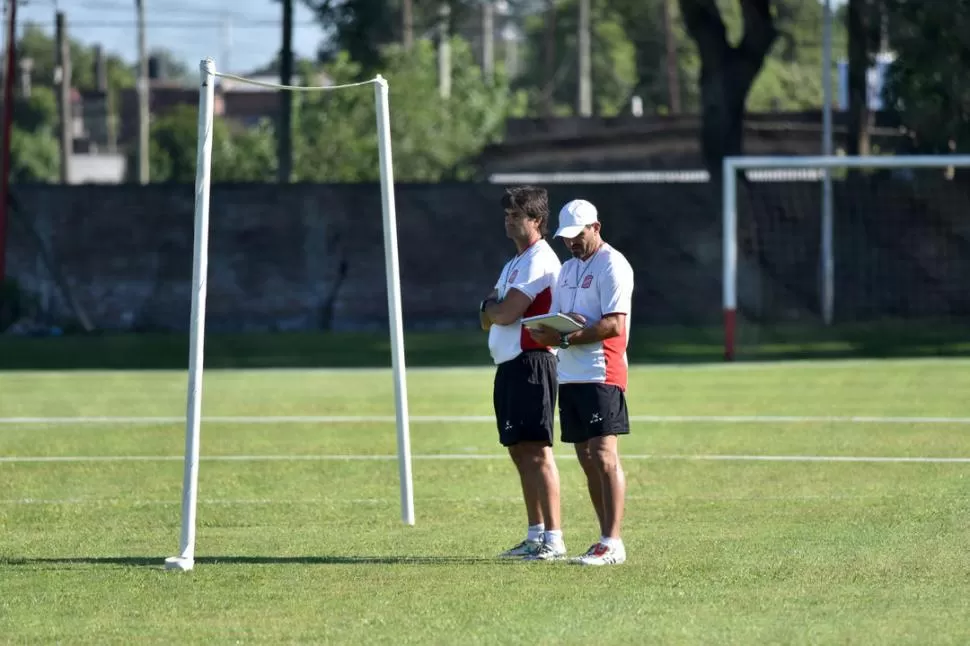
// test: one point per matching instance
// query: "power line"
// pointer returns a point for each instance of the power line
(169, 9)
(185, 24)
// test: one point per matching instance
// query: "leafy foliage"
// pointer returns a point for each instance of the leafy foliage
(928, 85)
(34, 149)
(246, 155)
(37, 45)
(363, 28)
(432, 138)
(335, 132)
(613, 60)
(789, 80)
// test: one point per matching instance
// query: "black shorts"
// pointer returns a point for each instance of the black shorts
(524, 396)
(592, 410)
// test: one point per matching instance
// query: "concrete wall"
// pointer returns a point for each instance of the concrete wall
(312, 256)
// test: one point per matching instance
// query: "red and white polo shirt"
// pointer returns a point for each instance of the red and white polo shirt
(600, 285)
(534, 273)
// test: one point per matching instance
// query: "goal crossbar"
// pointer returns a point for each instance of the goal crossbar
(730, 168)
(200, 259)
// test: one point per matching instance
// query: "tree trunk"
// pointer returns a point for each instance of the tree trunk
(407, 24)
(727, 73)
(859, 115)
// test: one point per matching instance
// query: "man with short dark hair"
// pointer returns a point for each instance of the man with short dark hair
(596, 287)
(524, 391)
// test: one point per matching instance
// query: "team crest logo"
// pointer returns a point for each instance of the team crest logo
(587, 281)
(513, 276)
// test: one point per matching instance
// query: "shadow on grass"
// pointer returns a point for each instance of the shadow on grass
(154, 561)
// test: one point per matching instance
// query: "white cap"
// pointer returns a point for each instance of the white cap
(574, 217)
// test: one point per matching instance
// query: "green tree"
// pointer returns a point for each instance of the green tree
(789, 80)
(643, 21)
(363, 28)
(39, 46)
(753, 54)
(432, 138)
(928, 84)
(237, 156)
(359, 27)
(727, 71)
(613, 61)
(34, 149)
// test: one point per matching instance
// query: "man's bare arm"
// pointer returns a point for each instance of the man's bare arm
(607, 327)
(509, 310)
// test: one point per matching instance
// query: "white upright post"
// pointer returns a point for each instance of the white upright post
(827, 251)
(732, 165)
(394, 300)
(729, 252)
(200, 262)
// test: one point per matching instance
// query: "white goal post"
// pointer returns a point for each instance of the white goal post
(825, 164)
(186, 557)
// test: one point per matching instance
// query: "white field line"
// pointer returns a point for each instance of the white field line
(476, 456)
(458, 419)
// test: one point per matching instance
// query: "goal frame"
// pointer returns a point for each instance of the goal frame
(825, 163)
(200, 258)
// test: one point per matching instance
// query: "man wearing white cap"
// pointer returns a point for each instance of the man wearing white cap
(596, 287)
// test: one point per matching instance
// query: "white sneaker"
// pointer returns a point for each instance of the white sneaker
(601, 554)
(549, 552)
(522, 550)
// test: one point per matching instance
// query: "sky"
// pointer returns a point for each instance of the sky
(246, 32)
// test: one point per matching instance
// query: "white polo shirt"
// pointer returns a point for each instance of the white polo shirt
(595, 287)
(533, 272)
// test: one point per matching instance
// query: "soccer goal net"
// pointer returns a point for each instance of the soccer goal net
(838, 254)
(810, 256)
(185, 560)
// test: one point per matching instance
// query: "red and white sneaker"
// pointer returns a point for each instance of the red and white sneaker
(602, 554)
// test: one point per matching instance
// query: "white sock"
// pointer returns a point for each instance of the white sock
(535, 532)
(553, 536)
(611, 542)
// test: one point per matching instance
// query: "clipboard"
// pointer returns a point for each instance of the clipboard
(559, 322)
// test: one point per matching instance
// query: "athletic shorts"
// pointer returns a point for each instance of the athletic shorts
(591, 410)
(524, 396)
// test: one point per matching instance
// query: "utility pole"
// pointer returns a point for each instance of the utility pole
(444, 51)
(143, 109)
(673, 80)
(407, 24)
(7, 127)
(100, 69)
(585, 63)
(549, 49)
(64, 95)
(285, 139)
(859, 21)
(488, 40)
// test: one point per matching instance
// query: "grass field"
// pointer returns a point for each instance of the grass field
(791, 502)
